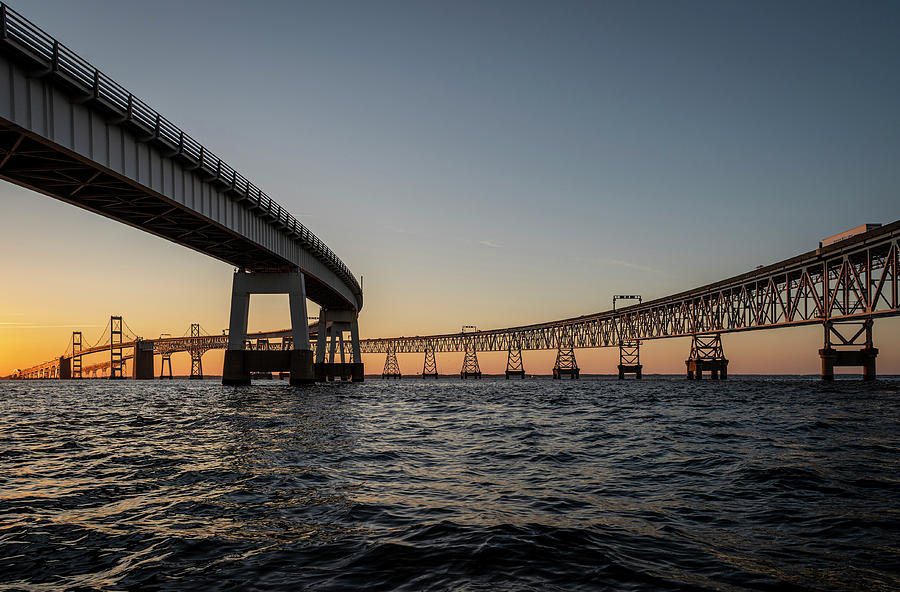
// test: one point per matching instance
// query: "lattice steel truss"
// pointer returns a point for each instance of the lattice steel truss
(470, 367)
(391, 367)
(855, 279)
(707, 354)
(429, 368)
(566, 365)
(514, 365)
(630, 353)
(707, 347)
(565, 357)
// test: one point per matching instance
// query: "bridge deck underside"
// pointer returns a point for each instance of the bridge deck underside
(71, 132)
(27, 161)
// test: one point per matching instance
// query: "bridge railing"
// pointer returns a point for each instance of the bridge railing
(60, 60)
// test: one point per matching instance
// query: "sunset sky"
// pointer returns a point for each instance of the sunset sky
(483, 163)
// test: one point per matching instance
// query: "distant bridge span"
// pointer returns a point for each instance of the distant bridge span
(855, 279)
(847, 284)
(69, 131)
(843, 286)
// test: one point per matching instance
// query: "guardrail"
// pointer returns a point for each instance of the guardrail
(60, 59)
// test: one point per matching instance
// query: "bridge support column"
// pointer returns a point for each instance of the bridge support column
(566, 365)
(707, 355)
(76, 358)
(65, 368)
(142, 364)
(470, 367)
(240, 363)
(514, 365)
(391, 367)
(116, 363)
(196, 354)
(165, 369)
(630, 359)
(333, 323)
(429, 368)
(836, 336)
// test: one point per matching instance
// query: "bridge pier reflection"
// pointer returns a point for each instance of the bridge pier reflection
(240, 363)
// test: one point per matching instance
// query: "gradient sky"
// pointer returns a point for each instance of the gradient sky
(486, 163)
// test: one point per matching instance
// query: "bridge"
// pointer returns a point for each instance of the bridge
(844, 287)
(120, 344)
(69, 131)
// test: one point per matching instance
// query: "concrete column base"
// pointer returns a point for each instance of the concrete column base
(241, 364)
(301, 367)
(519, 373)
(326, 371)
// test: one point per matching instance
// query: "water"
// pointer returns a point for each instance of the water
(758, 484)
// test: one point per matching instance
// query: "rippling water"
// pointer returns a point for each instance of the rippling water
(476, 485)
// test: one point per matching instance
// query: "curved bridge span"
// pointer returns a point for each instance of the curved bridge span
(69, 131)
(843, 286)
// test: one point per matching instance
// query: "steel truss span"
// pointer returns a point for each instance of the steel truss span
(849, 282)
(69, 131)
(854, 279)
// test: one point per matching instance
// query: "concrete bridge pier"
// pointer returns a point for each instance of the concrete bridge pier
(241, 363)
(837, 337)
(333, 323)
(142, 364)
(65, 368)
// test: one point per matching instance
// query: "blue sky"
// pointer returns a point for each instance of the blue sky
(499, 163)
